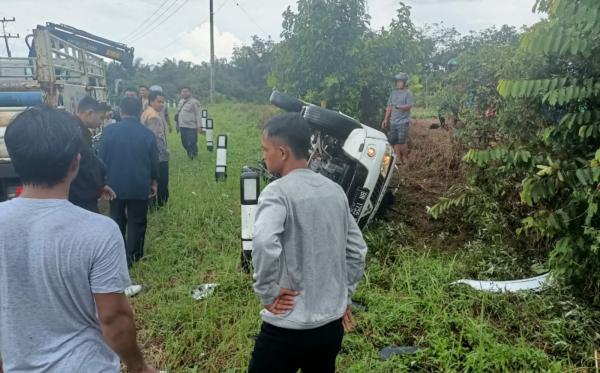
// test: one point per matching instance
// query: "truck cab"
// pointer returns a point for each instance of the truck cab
(64, 64)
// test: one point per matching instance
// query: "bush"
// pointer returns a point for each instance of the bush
(540, 158)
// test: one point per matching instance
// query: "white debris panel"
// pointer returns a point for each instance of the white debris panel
(529, 284)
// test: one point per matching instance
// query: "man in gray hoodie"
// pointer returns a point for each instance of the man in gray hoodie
(309, 256)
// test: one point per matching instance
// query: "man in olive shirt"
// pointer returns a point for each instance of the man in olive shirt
(189, 121)
(165, 110)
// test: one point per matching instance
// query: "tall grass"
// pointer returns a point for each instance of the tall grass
(195, 239)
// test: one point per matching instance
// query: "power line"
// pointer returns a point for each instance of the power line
(146, 33)
(141, 24)
(150, 25)
(177, 39)
(252, 20)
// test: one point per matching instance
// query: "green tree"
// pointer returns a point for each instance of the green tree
(563, 188)
(466, 69)
(558, 166)
(321, 42)
(329, 53)
(243, 78)
(251, 67)
(399, 47)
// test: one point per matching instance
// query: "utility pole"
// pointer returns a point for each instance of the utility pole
(8, 36)
(212, 53)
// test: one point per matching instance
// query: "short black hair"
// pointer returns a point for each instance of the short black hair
(42, 144)
(293, 130)
(131, 106)
(153, 95)
(144, 86)
(185, 87)
(89, 103)
(130, 89)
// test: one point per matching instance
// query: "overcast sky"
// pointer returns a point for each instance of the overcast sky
(185, 34)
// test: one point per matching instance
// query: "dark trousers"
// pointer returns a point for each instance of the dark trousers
(88, 205)
(279, 350)
(189, 140)
(131, 216)
(162, 193)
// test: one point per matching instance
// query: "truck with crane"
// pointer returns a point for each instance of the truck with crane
(63, 65)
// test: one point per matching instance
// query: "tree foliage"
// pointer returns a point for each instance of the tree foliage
(466, 71)
(329, 53)
(242, 78)
(558, 166)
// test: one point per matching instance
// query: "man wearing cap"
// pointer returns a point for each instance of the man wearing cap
(397, 117)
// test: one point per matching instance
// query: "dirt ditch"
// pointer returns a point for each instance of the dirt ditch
(433, 167)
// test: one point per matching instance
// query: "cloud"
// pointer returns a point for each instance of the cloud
(116, 19)
(195, 45)
(465, 15)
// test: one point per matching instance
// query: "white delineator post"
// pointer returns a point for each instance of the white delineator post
(221, 168)
(249, 191)
(209, 134)
(204, 117)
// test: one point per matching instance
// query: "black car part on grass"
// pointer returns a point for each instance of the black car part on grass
(285, 102)
(328, 121)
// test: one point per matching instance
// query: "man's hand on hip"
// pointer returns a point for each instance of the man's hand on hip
(284, 302)
(153, 189)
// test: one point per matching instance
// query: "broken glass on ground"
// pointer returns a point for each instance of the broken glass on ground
(389, 352)
(203, 291)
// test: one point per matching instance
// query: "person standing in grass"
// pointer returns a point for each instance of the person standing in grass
(89, 184)
(397, 117)
(130, 153)
(308, 257)
(189, 121)
(165, 111)
(155, 122)
(62, 269)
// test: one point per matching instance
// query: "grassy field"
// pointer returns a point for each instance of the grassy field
(196, 240)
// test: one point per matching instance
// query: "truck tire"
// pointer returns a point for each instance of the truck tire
(285, 102)
(331, 122)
